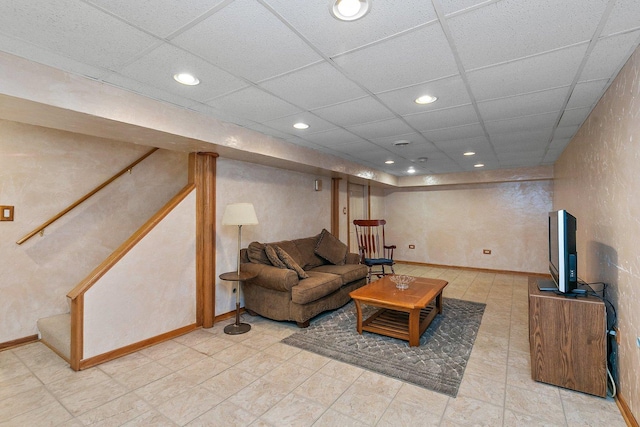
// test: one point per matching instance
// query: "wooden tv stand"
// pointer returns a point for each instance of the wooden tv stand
(567, 338)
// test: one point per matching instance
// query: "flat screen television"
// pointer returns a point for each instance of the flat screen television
(563, 257)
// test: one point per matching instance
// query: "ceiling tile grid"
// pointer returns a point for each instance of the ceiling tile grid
(514, 79)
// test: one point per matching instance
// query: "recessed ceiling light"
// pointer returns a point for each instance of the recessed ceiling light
(389, 162)
(186, 79)
(401, 143)
(411, 170)
(470, 153)
(349, 10)
(478, 165)
(301, 126)
(426, 99)
(423, 159)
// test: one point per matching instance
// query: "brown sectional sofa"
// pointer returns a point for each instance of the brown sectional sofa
(282, 293)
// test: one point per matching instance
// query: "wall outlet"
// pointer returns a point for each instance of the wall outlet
(412, 246)
(486, 251)
(6, 213)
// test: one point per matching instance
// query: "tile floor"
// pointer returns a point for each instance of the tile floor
(207, 378)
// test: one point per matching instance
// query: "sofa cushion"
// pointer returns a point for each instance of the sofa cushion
(290, 263)
(307, 246)
(256, 254)
(290, 247)
(330, 248)
(273, 256)
(316, 286)
(348, 272)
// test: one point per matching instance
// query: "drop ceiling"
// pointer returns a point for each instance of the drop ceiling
(514, 79)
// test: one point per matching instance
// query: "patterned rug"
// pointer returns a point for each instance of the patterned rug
(438, 364)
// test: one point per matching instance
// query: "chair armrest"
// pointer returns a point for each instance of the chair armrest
(270, 277)
(352, 258)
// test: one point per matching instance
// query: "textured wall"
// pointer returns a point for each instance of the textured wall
(598, 181)
(286, 205)
(42, 171)
(152, 287)
(452, 225)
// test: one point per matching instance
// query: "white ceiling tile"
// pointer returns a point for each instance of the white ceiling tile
(401, 61)
(526, 123)
(412, 137)
(586, 94)
(75, 30)
(254, 104)
(458, 132)
(355, 112)
(559, 144)
(381, 129)
(534, 139)
(546, 71)
(450, 92)
(332, 36)
(457, 148)
(285, 124)
(332, 137)
(572, 117)
(453, 6)
(157, 68)
(247, 40)
(523, 105)
(356, 147)
(608, 56)
(565, 132)
(552, 156)
(624, 16)
(315, 86)
(159, 17)
(511, 29)
(445, 118)
(147, 90)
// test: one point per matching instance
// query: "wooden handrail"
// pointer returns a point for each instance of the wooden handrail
(106, 265)
(83, 198)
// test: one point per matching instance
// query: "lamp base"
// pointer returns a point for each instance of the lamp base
(237, 328)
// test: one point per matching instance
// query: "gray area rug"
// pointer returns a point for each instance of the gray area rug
(438, 364)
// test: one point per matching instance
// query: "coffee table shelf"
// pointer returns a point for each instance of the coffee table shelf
(395, 324)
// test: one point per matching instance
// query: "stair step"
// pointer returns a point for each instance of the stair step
(55, 332)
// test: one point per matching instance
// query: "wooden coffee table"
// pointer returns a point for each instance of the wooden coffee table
(403, 314)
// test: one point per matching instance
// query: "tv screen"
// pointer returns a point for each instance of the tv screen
(563, 257)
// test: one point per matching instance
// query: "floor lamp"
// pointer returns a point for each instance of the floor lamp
(238, 214)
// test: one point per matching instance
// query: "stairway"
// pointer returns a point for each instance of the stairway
(55, 332)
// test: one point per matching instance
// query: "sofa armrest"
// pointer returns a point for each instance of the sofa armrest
(352, 258)
(270, 277)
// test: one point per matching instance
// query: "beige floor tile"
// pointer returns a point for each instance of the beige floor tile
(83, 380)
(585, 414)
(493, 370)
(547, 407)
(341, 371)
(142, 375)
(202, 370)
(472, 412)
(37, 355)
(151, 418)
(322, 388)
(191, 404)
(11, 366)
(362, 405)
(482, 388)
(225, 414)
(515, 419)
(51, 414)
(181, 359)
(212, 345)
(288, 375)
(404, 414)
(229, 382)
(158, 392)
(234, 354)
(193, 338)
(262, 395)
(378, 384)
(261, 341)
(18, 384)
(283, 351)
(310, 360)
(90, 398)
(116, 412)
(162, 350)
(260, 363)
(124, 363)
(430, 401)
(24, 402)
(294, 411)
(333, 418)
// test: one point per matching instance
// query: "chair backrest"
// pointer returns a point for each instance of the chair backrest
(370, 236)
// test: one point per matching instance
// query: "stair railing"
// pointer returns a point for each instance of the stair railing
(42, 227)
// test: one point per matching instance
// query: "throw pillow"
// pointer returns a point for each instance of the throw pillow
(273, 256)
(256, 254)
(331, 249)
(290, 263)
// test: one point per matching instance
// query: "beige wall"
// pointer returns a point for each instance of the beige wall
(42, 171)
(452, 225)
(286, 204)
(598, 181)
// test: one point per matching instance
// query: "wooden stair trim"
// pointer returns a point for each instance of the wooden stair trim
(18, 342)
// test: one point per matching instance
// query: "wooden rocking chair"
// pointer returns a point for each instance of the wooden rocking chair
(374, 252)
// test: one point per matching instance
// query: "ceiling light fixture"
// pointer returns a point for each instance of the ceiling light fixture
(389, 162)
(401, 143)
(186, 79)
(349, 10)
(301, 126)
(478, 165)
(411, 170)
(423, 159)
(426, 99)
(470, 153)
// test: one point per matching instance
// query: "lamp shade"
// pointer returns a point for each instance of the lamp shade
(239, 214)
